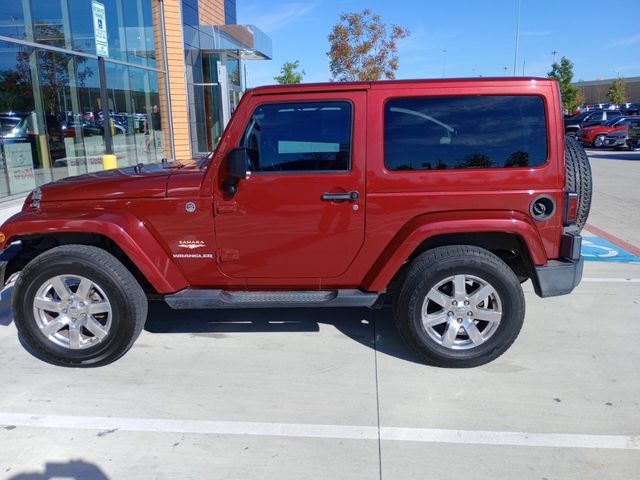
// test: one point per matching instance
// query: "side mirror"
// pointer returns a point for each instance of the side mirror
(238, 161)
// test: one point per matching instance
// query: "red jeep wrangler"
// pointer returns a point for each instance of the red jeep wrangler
(443, 195)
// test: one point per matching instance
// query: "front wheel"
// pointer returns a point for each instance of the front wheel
(460, 306)
(77, 305)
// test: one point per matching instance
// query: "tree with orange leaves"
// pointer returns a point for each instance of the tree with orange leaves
(361, 48)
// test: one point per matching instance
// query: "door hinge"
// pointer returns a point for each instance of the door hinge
(226, 207)
(227, 255)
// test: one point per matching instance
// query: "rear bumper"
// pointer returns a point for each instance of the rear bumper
(561, 276)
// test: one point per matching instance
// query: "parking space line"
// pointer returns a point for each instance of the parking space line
(522, 439)
(108, 425)
(191, 426)
(611, 280)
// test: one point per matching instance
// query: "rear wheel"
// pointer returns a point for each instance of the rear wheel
(77, 305)
(460, 306)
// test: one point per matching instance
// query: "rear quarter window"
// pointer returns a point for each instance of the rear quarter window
(430, 133)
(427, 133)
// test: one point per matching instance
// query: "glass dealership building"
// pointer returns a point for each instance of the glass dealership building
(174, 71)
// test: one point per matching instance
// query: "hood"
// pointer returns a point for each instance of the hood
(143, 181)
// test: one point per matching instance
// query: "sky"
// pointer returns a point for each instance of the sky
(601, 38)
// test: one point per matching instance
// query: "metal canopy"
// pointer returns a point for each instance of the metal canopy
(250, 41)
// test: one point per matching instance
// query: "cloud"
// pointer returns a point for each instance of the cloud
(627, 41)
(542, 33)
(275, 18)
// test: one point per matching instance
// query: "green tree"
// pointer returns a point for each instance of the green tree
(289, 73)
(362, 49)
(617, 92)
(563, 73)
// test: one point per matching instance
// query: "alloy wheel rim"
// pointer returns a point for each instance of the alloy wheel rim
(598, 141)
(72, 311)
(461, 312)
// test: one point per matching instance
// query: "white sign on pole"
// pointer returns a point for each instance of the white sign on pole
(100, 29)
(20, 167)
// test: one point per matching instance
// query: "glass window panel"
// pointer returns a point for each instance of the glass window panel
(189, 15)
(12, 19)
(138, 31)
(148, 122)
(17, 148)
(48, 26)
(210, 67)
(309, 136)
(81, 19)
(116, 34)
(149, 42)
(233, 71)
(230, 12)
(464, 132)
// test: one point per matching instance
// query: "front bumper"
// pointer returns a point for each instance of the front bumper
(633, 142)
(585, 140)
(615, 142)
(561, 276)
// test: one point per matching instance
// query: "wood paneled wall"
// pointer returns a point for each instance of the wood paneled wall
(177, 81)
(211, 12)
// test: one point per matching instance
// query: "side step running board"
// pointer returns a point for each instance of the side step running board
(196, 298)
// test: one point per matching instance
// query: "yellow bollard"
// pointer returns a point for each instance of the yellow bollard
(109, 162)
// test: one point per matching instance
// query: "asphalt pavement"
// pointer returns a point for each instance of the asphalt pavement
(334, 394)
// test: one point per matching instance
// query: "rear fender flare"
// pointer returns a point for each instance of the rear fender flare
(423, 227)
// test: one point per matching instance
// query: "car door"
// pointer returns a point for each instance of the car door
(595, 118)
(300, 213)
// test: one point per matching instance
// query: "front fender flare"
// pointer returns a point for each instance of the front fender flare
(123, 228)
(426, 226)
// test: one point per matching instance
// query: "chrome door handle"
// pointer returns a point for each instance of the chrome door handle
(340, 197)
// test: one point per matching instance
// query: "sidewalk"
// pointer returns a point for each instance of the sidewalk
(10, 207)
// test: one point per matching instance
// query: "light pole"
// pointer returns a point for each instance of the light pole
(554, 56)
(515, 58)
(444, 63)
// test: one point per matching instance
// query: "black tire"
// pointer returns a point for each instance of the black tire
(598, 141)
(578, 179)
(110, 283)
(431, 268)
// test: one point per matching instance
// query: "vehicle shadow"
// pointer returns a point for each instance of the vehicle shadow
(72, 470)
(372, 328)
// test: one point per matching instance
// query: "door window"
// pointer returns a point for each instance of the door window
(301, 136)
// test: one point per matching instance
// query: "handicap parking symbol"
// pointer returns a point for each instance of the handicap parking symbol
(597, 249)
